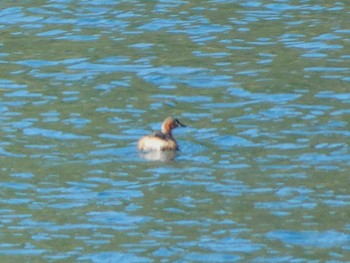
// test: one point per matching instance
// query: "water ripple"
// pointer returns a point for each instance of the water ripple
(53, 134)
(262, 86)
(324, 239)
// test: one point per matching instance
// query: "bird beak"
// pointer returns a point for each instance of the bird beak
(180, 124)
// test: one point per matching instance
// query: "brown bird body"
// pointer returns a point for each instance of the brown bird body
(161, 140)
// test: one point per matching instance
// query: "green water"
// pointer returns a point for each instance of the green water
(262, 171)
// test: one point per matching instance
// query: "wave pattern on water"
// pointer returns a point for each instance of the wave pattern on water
(262, 170)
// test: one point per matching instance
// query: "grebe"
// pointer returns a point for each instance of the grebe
(161, 140)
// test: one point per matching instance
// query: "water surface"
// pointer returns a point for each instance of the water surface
(262, 173)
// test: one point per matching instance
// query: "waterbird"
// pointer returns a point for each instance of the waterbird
(162, 140)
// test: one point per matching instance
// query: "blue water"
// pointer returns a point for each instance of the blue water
(262, 172)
